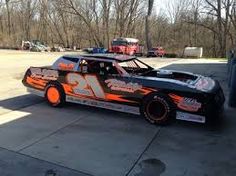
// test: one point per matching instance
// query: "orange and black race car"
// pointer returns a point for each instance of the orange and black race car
(124, 83)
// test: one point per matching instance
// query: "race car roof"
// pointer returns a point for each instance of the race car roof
(116, 57)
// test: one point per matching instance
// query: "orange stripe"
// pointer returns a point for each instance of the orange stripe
(176, 98)
(118, 98)
(40, 84)
(109, 97)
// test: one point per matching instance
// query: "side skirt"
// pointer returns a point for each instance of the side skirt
(105, 105)
(95, 103)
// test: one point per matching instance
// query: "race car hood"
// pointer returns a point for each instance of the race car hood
(190, 80)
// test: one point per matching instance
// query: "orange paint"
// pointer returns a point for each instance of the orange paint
(64, 66)
(187, 104)
(146, 91)
(176, 98)
(119, 98)
(37, 83)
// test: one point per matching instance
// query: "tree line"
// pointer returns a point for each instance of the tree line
(210, 24)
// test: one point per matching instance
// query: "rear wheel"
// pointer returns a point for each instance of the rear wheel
(55, 95)
(158, 109)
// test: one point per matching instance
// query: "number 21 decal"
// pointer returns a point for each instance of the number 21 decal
(87, 85)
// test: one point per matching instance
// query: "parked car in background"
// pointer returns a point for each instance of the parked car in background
(57, 48)
(95, 50)
(156, 52)
(35, 45)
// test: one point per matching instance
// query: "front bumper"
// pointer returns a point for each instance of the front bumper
(215, 105)
(212, 104)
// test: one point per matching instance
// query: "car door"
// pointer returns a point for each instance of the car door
(119, 88)
(85, 81)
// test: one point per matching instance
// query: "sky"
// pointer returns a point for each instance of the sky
(159, 4)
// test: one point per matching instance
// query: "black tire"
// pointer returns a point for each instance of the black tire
(61, 93)
(158, 109)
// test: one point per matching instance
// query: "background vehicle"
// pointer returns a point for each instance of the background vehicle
(156, 52)
(96, 50)
(129, 46)
(35, 45)
(57, 48)
(124, 83)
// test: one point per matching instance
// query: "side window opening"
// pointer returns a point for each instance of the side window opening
(83, 66)
(97, 67)
(107, 68)
(71, 59)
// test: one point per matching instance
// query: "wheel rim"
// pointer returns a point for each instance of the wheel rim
(156, 110)
(53, 95)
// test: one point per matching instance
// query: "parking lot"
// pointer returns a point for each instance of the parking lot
(38, 140)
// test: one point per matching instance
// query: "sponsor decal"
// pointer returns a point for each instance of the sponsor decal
(65, 66)
(189, 104)
(190, 117)
(118, 85)
(44, 74)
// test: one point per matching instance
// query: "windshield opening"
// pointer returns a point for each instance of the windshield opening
(119, 43)
(135, 66)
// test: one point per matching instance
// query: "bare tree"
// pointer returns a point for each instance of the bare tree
(147, 24)
(196, 5)
(207, 23)
(8, 16)
(215, 9)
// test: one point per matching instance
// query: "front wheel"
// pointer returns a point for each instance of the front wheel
(157, 109)
(55, 95)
